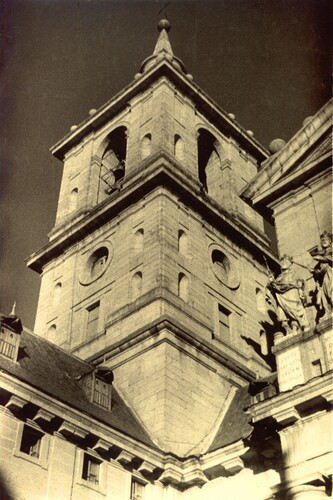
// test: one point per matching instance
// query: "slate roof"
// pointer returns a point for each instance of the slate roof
(53, 371)
(235, 425)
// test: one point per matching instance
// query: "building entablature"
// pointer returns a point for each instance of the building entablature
(159, 172)
(26, 402)
(292, 406)
(52, 417)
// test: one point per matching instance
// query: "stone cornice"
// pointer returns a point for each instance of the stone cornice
(165, 68)
(178, 331)
(159, 171)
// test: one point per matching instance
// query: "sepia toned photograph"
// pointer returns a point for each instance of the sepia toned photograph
(166, 250)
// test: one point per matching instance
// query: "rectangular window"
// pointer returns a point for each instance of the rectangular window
(224, 323)
(92, 321)
(316, 368)
(91, 469)
(31, 441)
(137, 490)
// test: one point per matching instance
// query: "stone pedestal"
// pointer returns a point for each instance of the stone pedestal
(306, 492)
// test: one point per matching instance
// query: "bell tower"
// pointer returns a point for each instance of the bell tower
(155, 265)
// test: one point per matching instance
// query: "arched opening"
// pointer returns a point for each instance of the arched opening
(136, 287)
(146, 146)
(183, 286)
(208, 160)
(179, 147)
(73, 199)
(138, 241)
(57, 294)
(113, 162)
(182, 242)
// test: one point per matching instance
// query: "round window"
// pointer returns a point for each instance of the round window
(96, 264)
(224, 267)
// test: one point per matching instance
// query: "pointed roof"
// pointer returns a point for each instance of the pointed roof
(163, 50)
(302, 156)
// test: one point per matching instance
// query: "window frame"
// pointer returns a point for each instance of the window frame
(41, 460)
(136, 481)
(95, 305)
(90, 454)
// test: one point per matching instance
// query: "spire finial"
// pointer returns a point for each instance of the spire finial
(164, 25)
(13, 312)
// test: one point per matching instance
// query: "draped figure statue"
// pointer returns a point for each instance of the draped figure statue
(322, 274)
(288, 292)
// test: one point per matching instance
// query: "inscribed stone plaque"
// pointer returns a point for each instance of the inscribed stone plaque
(289, 367)
(328, 346)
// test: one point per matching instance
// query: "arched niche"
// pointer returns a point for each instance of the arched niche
(209, 162)
(73, 197)
(182, 242)
(138, 241)
(136, 285)
(146, 146)
(51, 332)
(179, 147)
(57, 293)
(183, 287)
(261, 301)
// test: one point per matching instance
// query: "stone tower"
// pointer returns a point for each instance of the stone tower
(155, 265)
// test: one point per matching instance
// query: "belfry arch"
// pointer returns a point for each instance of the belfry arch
(113, 161)
(209, 161)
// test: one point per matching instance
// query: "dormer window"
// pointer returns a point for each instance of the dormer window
(102, 387)
(7, 343)
(97, 385)
(102, 392)
(10, 333)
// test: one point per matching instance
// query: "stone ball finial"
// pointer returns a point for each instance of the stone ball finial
(307, 120)
(276, 145)
(164, 25)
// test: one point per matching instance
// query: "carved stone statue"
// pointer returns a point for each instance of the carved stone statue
(322, 274)
(288, 292)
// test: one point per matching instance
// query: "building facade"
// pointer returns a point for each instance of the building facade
(160, 366)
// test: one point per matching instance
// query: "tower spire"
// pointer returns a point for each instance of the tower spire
(163, 50)
(163, 43)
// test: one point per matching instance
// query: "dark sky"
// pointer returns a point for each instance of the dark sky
(266, 61)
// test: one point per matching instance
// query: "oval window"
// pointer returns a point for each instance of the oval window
(224, 267)
(96, 264)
